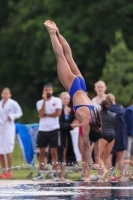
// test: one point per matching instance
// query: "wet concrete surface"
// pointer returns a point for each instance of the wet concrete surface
(11, 190)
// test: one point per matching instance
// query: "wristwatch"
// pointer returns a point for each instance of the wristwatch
(45, 114)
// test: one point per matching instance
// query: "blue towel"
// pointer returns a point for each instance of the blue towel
(25, 142)
(33, 132)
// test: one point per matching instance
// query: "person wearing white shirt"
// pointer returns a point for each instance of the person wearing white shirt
(9, 111)
(49, 109)
(100, 89)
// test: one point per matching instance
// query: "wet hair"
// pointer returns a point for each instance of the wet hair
(48, 85)
(110, 98)
(105, 105)
(95, 131)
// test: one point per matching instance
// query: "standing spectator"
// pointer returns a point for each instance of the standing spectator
(9, 111)
(129, 125)
(131, 151)
(121, 137)
(49, 109)
(67, 123)
(108, 133)
(100, 89)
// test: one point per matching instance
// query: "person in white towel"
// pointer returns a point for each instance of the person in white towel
(9, 111)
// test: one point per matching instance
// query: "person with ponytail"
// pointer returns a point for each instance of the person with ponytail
(108, 133)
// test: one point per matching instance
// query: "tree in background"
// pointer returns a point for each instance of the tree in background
(118, 72)
(27, 60)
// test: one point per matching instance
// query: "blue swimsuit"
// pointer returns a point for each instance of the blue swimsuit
(90, 107)
(79, 84)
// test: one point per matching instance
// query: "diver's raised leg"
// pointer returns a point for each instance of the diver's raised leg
(68, 53)
(64, 72)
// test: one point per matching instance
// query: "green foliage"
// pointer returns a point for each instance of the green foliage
(118, 71)
(27, 60)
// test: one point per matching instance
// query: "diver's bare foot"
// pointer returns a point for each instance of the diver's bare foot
(50, 26)
(54, 24)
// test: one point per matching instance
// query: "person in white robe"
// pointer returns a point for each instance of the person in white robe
(9, 111)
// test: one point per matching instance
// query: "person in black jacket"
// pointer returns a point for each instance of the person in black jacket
(67, 122)
(121, 136)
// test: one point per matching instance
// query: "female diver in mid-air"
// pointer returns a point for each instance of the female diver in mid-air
(74, 83)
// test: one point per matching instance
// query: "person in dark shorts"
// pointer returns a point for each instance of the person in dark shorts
(108, 133)
(49, 109)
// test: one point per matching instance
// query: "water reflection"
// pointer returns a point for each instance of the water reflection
(68, 191)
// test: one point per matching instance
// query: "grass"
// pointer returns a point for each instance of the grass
(21, 170)
(18, 159)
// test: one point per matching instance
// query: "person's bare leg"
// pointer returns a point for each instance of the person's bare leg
(63, 69)
(3, 164)
(86, 170)
(68, 55)
(54, 157)
(110, 160)
(109, 148)
(42, 158)
(103, 144)
(105, 149)
(63, 166)
(9, 162)
(120, 160)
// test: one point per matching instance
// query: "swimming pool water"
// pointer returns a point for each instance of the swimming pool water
(68, 191)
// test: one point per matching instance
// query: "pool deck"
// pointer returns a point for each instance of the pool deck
(8, 182)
